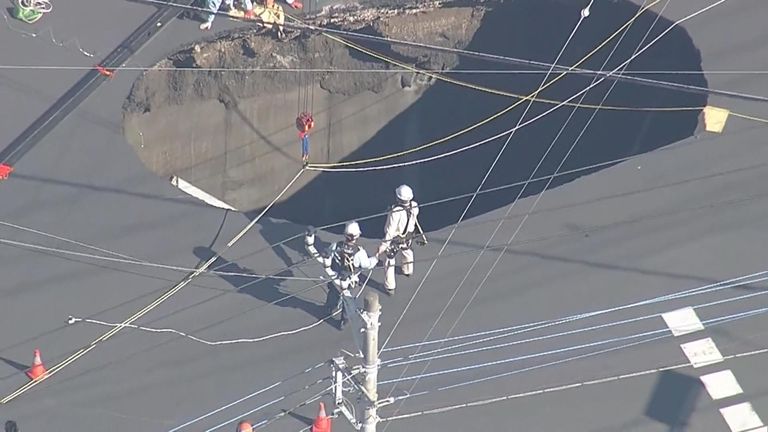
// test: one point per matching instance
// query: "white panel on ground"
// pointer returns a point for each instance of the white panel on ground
(683, 321)
(741, 417)
(721, 384)
(199, 193)
(702, 352)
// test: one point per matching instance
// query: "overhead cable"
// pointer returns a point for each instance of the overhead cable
(494, 137)
(563, 387)
(508, 211)
(176, 288)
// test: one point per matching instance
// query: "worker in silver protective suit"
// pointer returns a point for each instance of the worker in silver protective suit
(343, 262)
(399, 234)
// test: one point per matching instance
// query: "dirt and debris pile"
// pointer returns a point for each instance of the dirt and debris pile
(244, 64)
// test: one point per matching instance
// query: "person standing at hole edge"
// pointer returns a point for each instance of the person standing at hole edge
(343, 262)
(399, 232)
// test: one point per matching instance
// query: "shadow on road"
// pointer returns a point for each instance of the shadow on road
(276, 231)
(14, 364)
(674, 400)
(528, 29)
(267, 290)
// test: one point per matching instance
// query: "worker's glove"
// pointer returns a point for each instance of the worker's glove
(309, 236)
(391, 253)
(249, 14)
(421, 241)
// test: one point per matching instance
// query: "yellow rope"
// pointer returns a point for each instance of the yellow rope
(501, 92)
(437, 76)
(160, 300)
(522, 98)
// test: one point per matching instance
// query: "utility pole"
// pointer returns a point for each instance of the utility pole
(371, 360)
(366, 386)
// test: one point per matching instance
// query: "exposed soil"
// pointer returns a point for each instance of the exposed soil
(232, 133)
(178, 80)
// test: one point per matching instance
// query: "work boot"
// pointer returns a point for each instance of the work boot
(390, 292)
(205, 26)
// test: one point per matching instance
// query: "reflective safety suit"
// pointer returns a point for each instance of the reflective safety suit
(398, 237)
(343, 261)
(271, 14)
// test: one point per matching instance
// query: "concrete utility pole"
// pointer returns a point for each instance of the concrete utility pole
(371, 358)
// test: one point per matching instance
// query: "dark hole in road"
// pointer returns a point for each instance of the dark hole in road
(528, 29)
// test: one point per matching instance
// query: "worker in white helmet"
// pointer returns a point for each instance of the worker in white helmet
(399, 232)
(343, 261)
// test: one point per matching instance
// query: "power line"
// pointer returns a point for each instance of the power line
(730, 283)
(713, 321)
(494, 137)
(562, 387)
(471, 201)
(543, 85)
(249, 396)
(511, 206)
(276, 417)
(381, 71)
(274, 275)
(272, 402)
(493, 57)
(466, 195)
(410, 359)
(505, 332)
(541, 194)
(157, 302)
(149, 264)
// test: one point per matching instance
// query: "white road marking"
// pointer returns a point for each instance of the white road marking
(741, 417)
(683, 321)
(721, 385)
(702, 352)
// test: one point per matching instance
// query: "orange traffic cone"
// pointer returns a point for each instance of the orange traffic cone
(5, 171)
(38, 369)
(244, 426)
(322, 422)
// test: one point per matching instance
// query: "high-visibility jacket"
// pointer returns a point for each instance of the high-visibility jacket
(270, 15)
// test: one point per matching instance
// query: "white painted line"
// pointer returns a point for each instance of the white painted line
(683, 321)
(199, 193)
(702, 352)
(721, 385)
(741, 417)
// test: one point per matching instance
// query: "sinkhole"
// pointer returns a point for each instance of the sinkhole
(214, 114)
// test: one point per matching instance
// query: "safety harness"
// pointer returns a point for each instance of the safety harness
(403, 240)
(343, 258)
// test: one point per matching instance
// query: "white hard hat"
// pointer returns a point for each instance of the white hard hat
(404, 193)
(352, 230)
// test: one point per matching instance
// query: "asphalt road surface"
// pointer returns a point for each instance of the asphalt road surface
(682, 217)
